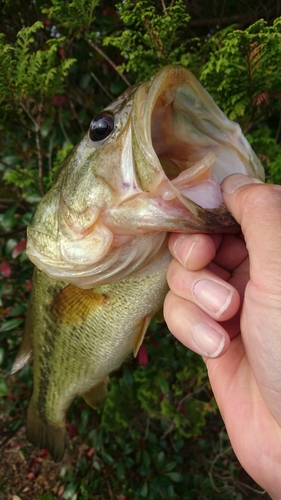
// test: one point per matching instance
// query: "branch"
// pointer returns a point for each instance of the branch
(38, 145)
(40, 162)
(112, 64)
(7, 165)
(101, 85)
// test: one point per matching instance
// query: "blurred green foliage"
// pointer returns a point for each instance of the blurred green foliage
(158, 435)
(148, 40)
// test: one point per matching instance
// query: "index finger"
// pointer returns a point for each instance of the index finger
(194, 251)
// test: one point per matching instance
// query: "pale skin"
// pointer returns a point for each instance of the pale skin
(225, 304)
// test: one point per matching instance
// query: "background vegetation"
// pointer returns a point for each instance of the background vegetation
(159, 434)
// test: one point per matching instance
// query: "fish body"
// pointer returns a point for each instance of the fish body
(80, 336)
(151, 163)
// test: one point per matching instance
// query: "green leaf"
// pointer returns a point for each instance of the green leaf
(46, 496)
(128, 377)
(144, 490)
(10, 324)
(8, 219)
(161, 459)
(70, 491)
(120, 470)
(146, 459)
(3, 387)
(2, 355)
(164, 385)
(96, 465)
(15, 311)
(174, 476)
(170, 466)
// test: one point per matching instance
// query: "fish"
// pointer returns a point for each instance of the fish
(150, 163)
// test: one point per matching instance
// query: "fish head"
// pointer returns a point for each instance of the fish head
(151, 163)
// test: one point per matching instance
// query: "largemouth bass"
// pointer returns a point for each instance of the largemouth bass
(151, 163)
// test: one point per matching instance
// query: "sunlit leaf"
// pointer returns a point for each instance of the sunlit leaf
(10, 324)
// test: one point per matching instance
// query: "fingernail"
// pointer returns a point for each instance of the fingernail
(215, 298)
(210, 342)
(235, 181)
(183, 248)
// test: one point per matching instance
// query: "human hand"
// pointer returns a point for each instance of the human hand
(225, 304)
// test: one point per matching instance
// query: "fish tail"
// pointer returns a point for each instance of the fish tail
(44, 434)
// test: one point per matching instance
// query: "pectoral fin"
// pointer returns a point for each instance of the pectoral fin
(72, 305)
(96, 396)
(142, 327)
(25, 352)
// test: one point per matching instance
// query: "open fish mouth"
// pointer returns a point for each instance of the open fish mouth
(190, 138)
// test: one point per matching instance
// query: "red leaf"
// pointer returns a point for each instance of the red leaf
(5, 269)
(153, 342)
(62, 53)
(28, 285)
(142, 356)
(90, 452)
(58, 100)
(109, 12)
(17, 446)
(261, 99)
(182, 409)
(19, 248)
(71, 430)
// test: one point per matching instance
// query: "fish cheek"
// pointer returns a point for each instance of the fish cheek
(72, 305)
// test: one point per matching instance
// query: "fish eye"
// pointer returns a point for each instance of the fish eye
(101, 127)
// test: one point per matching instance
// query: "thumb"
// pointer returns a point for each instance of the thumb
(257, 208)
